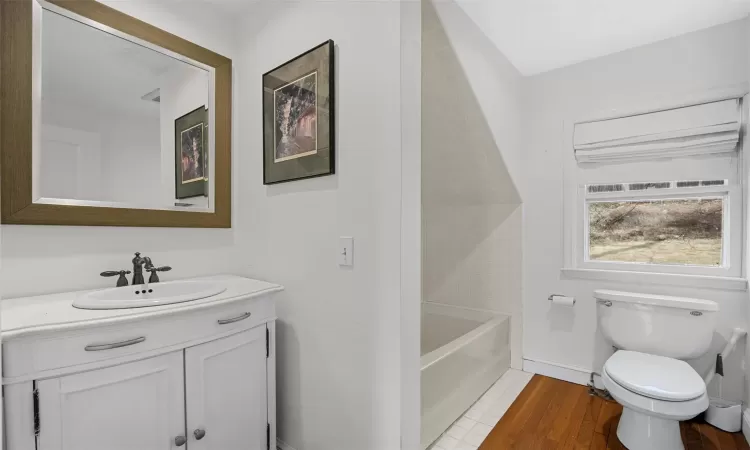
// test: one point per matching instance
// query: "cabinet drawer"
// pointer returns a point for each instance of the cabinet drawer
(52, 354)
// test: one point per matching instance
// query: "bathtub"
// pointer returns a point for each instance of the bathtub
(464, 351)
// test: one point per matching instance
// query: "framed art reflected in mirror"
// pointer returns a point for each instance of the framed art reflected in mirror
(299, 117)
(191, 154)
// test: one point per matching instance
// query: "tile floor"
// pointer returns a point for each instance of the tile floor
(468, 432)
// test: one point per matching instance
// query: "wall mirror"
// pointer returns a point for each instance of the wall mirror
(107, 120)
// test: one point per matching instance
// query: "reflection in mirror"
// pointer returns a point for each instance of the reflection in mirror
(121, 124)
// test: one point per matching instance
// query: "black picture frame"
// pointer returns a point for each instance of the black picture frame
(302, 91)
(195, 122)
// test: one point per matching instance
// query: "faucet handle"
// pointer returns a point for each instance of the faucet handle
(154, 278)
(111, 273)
(121, 281)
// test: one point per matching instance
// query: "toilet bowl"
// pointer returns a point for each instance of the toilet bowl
(656, 393)
(653, 334)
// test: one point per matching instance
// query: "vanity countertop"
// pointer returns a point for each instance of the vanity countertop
(55, 312)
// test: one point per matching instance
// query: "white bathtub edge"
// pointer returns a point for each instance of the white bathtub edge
(431, 433)
(480, 315)
(281, 445)
(449, 397)
(438, 354)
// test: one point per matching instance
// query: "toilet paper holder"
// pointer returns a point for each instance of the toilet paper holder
(552, 296)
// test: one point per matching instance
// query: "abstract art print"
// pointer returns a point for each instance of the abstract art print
(298, 117)
(191, 154)
(191, 141)
(295, 131)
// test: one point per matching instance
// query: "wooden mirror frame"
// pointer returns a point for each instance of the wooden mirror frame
(17, 206)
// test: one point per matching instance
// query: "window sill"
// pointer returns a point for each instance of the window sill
(666, 279)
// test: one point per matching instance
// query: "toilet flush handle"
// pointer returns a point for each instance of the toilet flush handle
(606, 303)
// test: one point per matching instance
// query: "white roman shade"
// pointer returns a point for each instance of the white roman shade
(707, 128)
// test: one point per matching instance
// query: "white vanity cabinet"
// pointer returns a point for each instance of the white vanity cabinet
(197, 375)
(225, 392)
(90, 410)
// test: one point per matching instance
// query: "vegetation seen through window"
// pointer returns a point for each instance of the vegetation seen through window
(686, 231)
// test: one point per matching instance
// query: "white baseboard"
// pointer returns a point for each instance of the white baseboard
(561, 372)
(746, 424)
(283, 445)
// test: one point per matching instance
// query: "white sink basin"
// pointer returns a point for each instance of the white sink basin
(157, 294)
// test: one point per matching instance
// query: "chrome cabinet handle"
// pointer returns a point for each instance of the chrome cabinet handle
(199, 434)
(179, 441)
(98, 347)
(235, 319)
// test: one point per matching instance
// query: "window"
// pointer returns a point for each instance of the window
(684, 226)
(650, 198)
(681, 231)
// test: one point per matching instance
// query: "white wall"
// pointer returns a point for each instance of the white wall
(69, 164)
(131, 162)
(471, 164)
(118, 159)
(338, 329)
(411, 222)
(40, 259)
(708, 59)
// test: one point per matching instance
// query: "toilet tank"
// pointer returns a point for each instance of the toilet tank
(677, 327)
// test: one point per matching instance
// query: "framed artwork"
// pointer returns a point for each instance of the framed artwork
(191, 154)
(299, 118)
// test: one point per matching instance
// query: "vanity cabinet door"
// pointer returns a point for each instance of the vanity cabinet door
(134, 406)
(225, 387)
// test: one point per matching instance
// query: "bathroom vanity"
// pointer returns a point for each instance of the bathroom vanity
(198, 374)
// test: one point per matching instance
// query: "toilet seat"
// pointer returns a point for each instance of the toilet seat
(640, 378)
(655, 377)
(659, 408)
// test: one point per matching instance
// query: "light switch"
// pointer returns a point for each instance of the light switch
(346, 251)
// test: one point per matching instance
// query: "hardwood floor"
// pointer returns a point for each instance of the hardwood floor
(552, 414)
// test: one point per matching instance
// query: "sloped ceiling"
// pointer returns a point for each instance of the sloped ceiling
(541, 35)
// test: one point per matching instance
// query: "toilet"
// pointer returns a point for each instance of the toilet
(647, 375)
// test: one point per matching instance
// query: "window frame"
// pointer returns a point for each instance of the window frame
(732, 234)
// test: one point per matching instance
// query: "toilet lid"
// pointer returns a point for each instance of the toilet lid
(654, 376)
